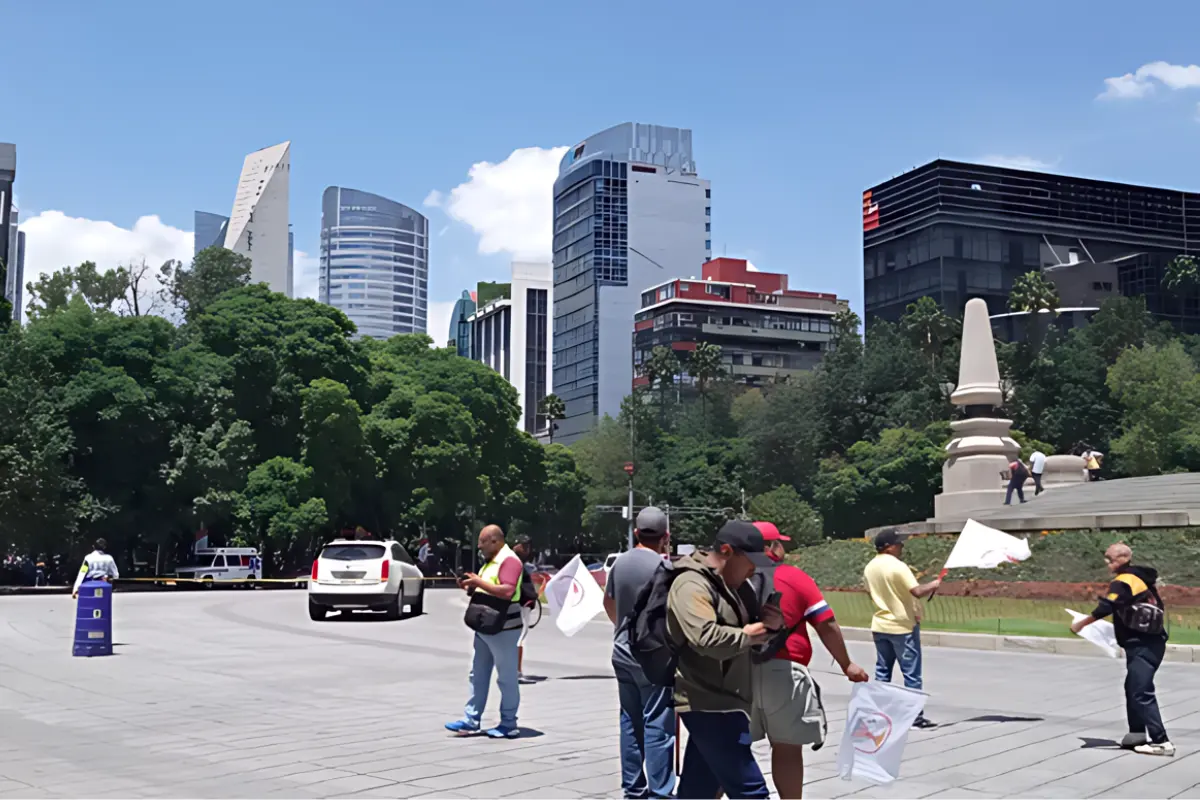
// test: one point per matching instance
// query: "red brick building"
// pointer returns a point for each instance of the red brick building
(765, 330)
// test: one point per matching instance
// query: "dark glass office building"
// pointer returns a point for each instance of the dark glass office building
(953, 231)
(209, 230)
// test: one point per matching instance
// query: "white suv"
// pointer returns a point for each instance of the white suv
(351, 575)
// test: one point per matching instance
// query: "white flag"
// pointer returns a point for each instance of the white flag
(878, 720)
(982, 547)
(574, 597)
(1100, 633)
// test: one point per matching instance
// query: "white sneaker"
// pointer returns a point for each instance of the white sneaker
(1152, 749)
(1132, 740)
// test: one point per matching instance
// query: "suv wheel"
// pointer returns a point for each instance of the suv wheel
(316, 612)
(396, 610)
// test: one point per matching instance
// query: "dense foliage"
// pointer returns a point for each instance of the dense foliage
(259, 419)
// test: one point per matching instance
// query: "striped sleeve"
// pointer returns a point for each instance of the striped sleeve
(808, 598)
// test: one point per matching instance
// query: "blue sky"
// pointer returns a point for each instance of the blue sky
(128, 109)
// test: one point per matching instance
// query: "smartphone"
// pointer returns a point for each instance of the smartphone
(774, 598)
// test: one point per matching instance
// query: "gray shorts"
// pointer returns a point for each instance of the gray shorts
(787, 704)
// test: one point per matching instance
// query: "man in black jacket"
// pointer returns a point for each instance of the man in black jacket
(1138, 619)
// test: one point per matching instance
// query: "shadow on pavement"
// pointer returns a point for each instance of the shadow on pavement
(587, 678)
(1096, 744)
(1004, 718)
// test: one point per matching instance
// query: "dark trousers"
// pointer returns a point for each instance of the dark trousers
(1141, 703)
(1020, 490)
(718, 758)
(1037, 483)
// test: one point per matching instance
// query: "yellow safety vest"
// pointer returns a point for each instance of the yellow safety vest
(491, 570)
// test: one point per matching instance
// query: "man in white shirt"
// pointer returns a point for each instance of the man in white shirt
(97, 566)
(1037, 465)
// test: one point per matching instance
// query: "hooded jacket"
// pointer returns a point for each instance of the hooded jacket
(704, 621)
(1133, 584)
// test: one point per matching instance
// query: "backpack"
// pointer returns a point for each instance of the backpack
(646, 627)
(1144, 618)
(528, 598)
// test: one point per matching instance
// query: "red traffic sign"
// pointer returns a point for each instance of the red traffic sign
(629, 467)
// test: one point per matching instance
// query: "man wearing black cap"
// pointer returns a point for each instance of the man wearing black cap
(896, 626)
(711, 630)
(647, 711)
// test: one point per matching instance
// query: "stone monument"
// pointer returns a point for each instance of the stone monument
(981, 448)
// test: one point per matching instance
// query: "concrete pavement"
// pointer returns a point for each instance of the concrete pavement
(238, 694)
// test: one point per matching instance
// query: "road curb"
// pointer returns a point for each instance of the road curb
(1179, 653)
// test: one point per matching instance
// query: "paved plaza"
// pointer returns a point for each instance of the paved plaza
(237, 694)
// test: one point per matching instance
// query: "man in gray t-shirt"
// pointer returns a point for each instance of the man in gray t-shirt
(647, 711)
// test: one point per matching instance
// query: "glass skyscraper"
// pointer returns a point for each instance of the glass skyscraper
(629, 213)
(210, 230)
(374, 262)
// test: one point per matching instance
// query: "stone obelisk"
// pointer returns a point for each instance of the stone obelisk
(981, 448)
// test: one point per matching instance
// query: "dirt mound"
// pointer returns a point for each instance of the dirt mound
(1050, 590)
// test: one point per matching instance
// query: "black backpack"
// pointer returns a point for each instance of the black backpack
(646, 627)
(528, 596)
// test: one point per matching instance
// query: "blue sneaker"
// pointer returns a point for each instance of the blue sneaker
(462, 727)
(504, 732)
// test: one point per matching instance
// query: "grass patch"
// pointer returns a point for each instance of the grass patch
(1000, 616)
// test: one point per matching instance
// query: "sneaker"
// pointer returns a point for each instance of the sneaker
(1155, 749)
(924, 723)
(504, 732)
(1132, 740)
(462, 727)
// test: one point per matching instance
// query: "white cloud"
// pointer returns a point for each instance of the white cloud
(305, 275)
(53, 241)
(509, 204)
(1019, 162)
(437, 321)
(1144, 80)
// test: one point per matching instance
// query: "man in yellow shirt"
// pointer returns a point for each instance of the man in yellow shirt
(896, 626)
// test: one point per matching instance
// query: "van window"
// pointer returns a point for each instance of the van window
(353, 552)
(233, 561)
(219, 561)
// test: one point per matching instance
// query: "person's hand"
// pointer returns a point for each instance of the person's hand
(935, 583)
(1077, 626)
(470, 581)
(74, 595)
(855, 673)
(772, 617)
(756, 632)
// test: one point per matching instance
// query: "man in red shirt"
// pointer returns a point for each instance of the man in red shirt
(787, 703)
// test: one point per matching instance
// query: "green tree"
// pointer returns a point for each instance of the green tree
(99, 290)
(213, 272)
(336, 451)
(280, 513)
(1158, 390)
(1033, 292)
(1181, 275)
(704, 366)
(553, 409)
(928, 327)
(661, 369)
(792, 516)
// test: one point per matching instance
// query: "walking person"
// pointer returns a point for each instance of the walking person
(895, 627)
(1138, 620)
(97, 566)
(494, 613)
(787, 708)
(1037, 467)
(647, 711)
(1017, 474)
(712, 632)
(527, 597)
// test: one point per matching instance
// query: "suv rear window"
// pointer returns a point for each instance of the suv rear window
(352, 552)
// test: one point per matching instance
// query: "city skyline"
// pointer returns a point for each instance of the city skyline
(788, 174)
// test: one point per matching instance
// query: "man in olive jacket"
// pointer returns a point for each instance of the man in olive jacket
(713, 633)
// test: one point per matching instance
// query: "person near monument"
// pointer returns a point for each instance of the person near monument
(787, 708)
(1138, 616)
(97, 566)
(896, 625)
(1018, 473)
(647, 715)
(528, 597)
(1037, 467)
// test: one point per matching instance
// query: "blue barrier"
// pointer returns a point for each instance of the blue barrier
(93, 620)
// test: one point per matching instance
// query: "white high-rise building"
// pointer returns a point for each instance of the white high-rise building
(258, 224)
(513, 335)
(630, 211)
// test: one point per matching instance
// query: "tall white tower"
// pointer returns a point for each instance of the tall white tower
(258, 224)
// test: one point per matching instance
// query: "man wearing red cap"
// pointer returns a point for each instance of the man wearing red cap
(787, 702)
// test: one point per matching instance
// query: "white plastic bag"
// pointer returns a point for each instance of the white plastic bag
(1100, 633)
(878, 720)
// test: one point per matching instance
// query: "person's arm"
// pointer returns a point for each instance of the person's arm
(83, 570)
(610, 602)
(690, 602)
(924, 590)
(510, 573)
(1119, 593)
(113, 572)
(831, 636)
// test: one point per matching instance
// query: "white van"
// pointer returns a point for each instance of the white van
(222, 565)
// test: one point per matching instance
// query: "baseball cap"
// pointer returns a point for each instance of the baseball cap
(770, 533)
(651, 520)
(887, 537)
(741, 536)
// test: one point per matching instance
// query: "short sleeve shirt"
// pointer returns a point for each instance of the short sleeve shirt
(630, 572)
(890, 582)
(1038, 462)
(802, 605)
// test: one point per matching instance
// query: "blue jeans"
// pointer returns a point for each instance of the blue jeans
(647, 735)
(902, 647)
(498, 650)
(718, 757)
